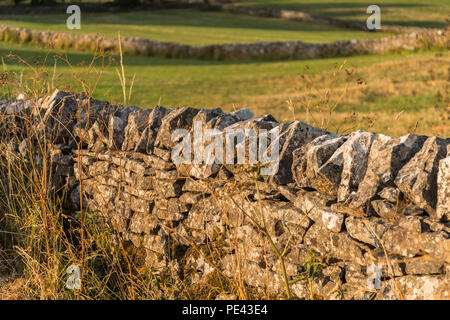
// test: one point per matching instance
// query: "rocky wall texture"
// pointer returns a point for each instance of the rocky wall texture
(233, 52)
(370, 211)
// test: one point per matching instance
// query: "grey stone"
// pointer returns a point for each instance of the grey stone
(367, 231)
(243, 114)
(354, 154)
(137, 122)
(423, 265)
(167, 189)
(320, 214)
(385, 209)
(418, 178)
(425, 287)
(443, 189)
(308, 164)
(390, 194)
(412, 210)
(181, 118)
(294, 135)
(149, 134)
(387, 156)
(338, 245)
(411, 223)
(116, 127)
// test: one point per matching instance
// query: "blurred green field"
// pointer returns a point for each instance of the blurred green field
(190, 27)
(392, 94)
(385, 93)
(414, 13)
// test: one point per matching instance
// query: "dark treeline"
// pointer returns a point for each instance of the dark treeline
(120, 2)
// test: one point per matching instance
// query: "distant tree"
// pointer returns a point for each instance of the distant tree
(40, 2)
(127, 2)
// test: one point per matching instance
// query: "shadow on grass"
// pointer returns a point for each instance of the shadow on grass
(175, 18)
(47, 57)
(343, 10)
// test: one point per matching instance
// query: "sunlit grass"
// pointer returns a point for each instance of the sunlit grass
(190, 27)
(418, 13)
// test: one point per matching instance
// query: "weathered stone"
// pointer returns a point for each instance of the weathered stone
(190, 197)
(197, 186)
(162, 153)
(403, 242)
(379, 174)
(355, 273)
(437, 226)
(180, 118)
(243, 114)
(412, 210)
(354, 154)
(320, 214)
(136, 239)
(254, 274)
(310, 159)
(411, 223)
(368, 231)
(148, 195)
(215, 119)
(392, 265)
(123, 176)
(418, 178)
(436, 244)
(143, 223)
(266, 122)
(157, 243)
(204, 171)
(116, 126)
(152, 162)
(147, 139)
(166, 175)
(136, 204)
(423, 265)
(418, 288)
(390, 194)
(167, 189)
(338, 245)
(385, 209)
(96, 137)
(230, 218)
(292, 137)
(137, 122)
(172, 205)
(443, 189)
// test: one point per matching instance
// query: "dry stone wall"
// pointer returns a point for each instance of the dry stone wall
(373, 210)
(232, 52)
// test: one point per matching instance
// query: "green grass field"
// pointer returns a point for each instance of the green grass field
(415, 13)
(392, 94)
(408, 85)
(191, 27)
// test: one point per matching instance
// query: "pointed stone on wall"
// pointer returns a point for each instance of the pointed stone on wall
(387, 156)
(418, 178)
